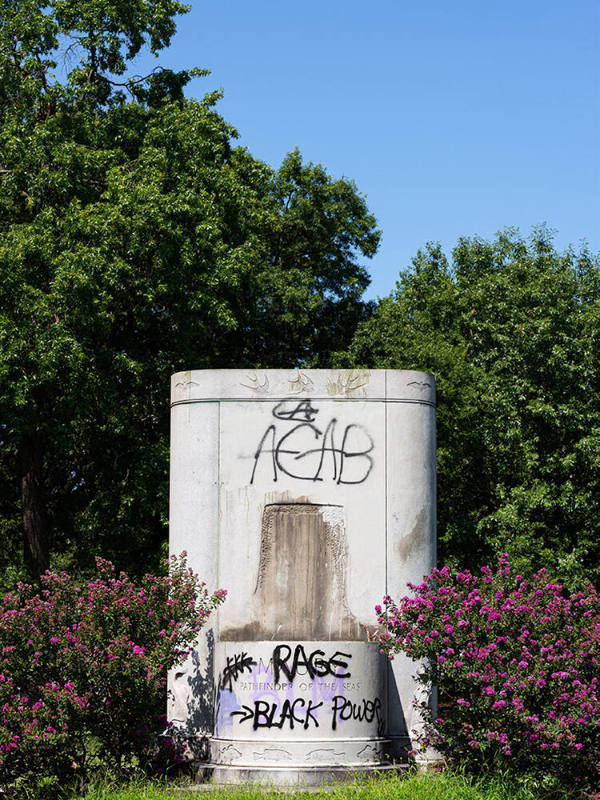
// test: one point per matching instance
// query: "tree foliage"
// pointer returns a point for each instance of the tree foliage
(511, 330)
(137, 240)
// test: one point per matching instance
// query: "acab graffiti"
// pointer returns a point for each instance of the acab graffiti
(306, 452)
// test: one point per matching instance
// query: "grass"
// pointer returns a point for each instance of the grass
(410, 787)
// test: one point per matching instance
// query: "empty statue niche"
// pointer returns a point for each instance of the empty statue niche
(301, 583)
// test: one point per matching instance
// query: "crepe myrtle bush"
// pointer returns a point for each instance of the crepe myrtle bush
(517, 666)
(37, 738)
(83, 670)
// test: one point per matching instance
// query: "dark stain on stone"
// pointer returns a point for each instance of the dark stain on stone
(413, 540)
(301, 584)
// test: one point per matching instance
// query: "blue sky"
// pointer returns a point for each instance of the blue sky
(453, 118)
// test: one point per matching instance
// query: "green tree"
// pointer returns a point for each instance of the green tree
(136, 240)
(512, 332)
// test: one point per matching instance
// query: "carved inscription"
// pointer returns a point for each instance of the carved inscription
(307, 452)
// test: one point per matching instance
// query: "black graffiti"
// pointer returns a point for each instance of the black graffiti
(302, 410)
(236, 666)
(292, 451)
(271, 715)
(362, 711)
(313, 664)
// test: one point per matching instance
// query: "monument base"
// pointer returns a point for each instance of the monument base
(298, 777)
(305, 763)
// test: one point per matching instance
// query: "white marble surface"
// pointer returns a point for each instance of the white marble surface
(358, 444)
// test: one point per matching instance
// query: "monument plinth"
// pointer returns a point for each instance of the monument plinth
(307, 494)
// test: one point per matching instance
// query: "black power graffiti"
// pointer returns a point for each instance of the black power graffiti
(301, 452)
(313, 665)
(363, 711)
(236, 666)
(271, 715)
(267, 714)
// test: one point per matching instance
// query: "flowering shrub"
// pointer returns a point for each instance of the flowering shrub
(89, 664)
(35, 747)
(517, 665)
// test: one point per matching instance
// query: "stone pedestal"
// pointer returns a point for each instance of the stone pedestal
(307, 494)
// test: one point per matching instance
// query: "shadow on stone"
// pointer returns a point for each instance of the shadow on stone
(191, 698)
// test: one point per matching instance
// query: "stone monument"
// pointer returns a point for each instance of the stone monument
(307, 494)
